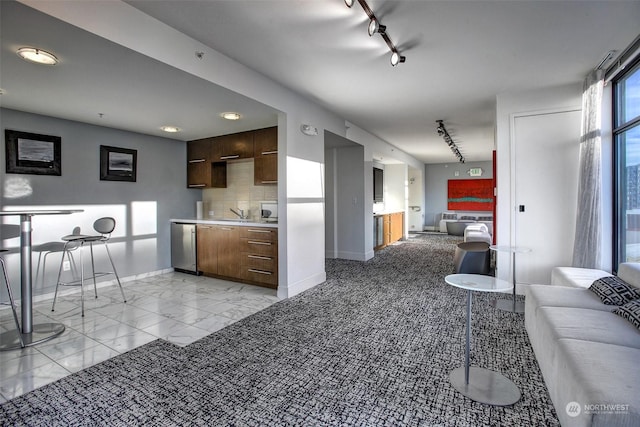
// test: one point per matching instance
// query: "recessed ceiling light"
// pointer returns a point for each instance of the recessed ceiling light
(230, 115)
(171, 129)
(38, 56)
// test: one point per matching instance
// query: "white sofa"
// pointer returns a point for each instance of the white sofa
(589, 356)
(484, 217)
(576, 277)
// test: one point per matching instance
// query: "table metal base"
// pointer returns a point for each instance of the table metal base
(510, 305)
(485, 386)
(41, 332)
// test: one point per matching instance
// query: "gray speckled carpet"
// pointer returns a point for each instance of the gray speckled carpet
(373, 346)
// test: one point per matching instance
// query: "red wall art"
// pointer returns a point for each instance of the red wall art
(470, 195)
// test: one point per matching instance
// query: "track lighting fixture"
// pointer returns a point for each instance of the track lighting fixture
(376, 27)
(442, 131)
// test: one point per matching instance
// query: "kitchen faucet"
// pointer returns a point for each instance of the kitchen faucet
(241, 214)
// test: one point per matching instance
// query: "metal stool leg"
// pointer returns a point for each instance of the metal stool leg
(13, 306)
(114, 271)
(93, 270)
(65, 250)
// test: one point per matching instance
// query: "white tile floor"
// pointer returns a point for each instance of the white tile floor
(180, 308)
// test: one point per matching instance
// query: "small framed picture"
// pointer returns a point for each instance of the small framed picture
(31, 153)
(118, 164)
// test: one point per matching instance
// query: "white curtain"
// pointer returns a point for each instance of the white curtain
(588, 240)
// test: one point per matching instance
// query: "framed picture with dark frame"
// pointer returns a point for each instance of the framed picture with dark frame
(118, 164)
(32, 153)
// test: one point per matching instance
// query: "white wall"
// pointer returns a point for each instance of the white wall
(436, 179)
(415, 214)
(508, 105)
(142, 209)
(300, 157)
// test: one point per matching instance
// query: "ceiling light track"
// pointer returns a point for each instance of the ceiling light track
(376, 27)
(442, 131)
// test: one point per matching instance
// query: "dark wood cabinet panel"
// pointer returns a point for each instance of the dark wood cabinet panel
(266, 156)
(228, 239)
(199, 163)
(233, 147)
(207, 249)
(259, 253)
(246, 254)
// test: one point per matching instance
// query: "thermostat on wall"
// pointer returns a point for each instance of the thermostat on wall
(475, 172)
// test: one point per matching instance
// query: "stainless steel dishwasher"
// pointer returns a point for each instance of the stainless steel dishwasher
(183, 247)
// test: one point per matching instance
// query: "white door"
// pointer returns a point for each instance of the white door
(546, 149)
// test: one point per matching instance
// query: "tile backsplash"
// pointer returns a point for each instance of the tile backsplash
(240, 193)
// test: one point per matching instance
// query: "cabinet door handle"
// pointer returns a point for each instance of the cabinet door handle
(226, 228)
(234, 156)
(260, 257)
(197, 185)
(253, 230)
(269, 182)
(196, 161)
(253, 242)
(264, 153)
(253, 270)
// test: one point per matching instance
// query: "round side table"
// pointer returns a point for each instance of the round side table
(480, 384)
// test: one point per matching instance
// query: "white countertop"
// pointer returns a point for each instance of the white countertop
(225, 222)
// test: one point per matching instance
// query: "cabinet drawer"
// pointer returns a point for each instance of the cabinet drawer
(259, 233)
(259, 262)
(259, 247)
(260, 276)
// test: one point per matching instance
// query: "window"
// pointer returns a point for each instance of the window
(627, 166)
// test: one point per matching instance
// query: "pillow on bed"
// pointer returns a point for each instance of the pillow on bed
(449, 216)
(614, 291)
(630, 311)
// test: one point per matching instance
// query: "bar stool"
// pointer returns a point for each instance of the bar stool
(105, 227)
(472, 258)
(11, 301)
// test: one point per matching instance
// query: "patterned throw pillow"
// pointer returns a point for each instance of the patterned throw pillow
(449, 216)
(614, 291)
(631, 312)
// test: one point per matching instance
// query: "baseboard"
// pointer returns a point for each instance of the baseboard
(353, 256)
(74, 290)
(301, 286)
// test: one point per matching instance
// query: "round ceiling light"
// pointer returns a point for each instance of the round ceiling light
(38, 56)
(171, 129)
(230, 115)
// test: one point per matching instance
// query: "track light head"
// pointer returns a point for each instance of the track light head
(396, 58)
(349, 3)
(376, 27)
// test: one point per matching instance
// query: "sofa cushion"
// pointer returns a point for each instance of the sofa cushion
(576, 277)
(557, 323)
(613, 290)
(630, 311)
(594, 375)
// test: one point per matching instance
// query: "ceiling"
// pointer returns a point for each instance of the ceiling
(460, 55)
